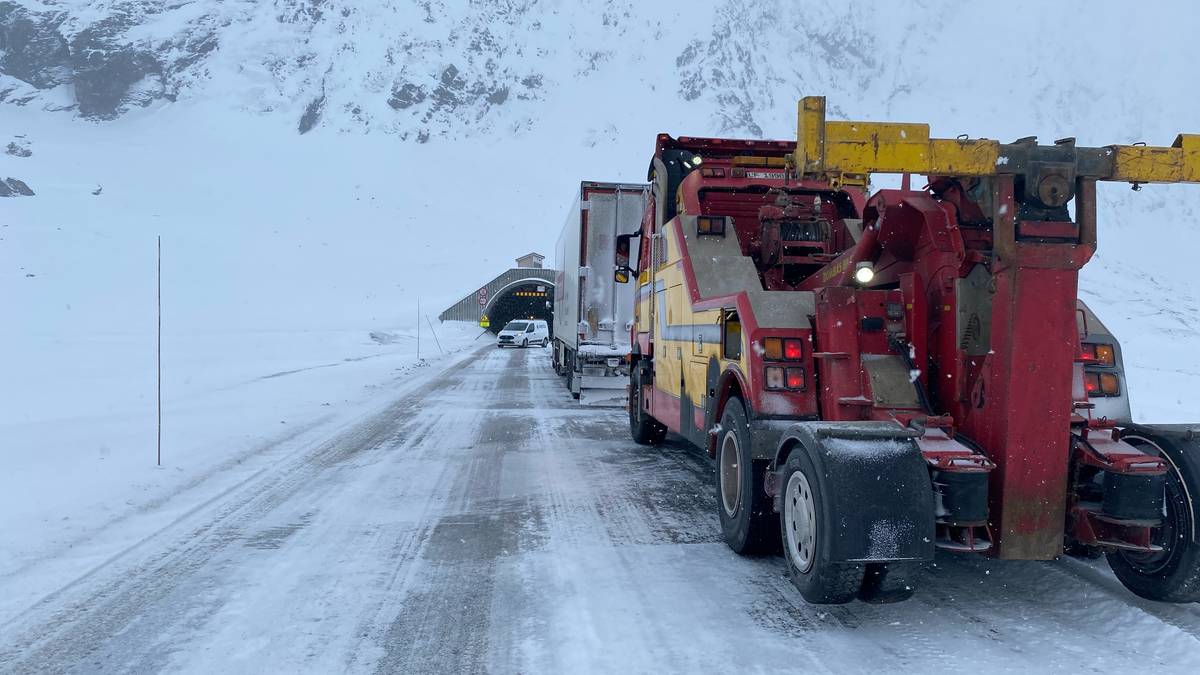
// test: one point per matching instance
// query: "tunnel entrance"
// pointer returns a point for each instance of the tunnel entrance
(529, 300)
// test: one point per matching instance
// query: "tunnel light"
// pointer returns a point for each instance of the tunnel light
(864, 272)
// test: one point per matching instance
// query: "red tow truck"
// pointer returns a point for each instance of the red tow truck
(877, 377)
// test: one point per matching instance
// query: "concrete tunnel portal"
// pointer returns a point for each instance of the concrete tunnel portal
(525, 299)
(523, 292)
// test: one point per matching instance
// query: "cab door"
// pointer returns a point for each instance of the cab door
(647, 268)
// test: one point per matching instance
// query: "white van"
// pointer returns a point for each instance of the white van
(524, 333)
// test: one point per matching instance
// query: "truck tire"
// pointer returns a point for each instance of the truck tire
(748, 520)
(1172, 575)
(805, 530)
(645, 429)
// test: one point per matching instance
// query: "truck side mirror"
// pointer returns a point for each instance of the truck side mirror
(622, 270)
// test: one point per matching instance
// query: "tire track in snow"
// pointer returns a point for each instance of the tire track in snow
(489, 524)
(444, 622)
(113, 618)
(1014, 616)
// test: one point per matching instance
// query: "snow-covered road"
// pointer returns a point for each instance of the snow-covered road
(486, 523)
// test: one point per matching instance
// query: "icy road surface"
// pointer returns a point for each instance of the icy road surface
(486, 523)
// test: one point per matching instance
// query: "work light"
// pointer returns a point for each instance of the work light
(864, 272)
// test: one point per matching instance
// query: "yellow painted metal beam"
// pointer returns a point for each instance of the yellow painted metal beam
(834, 149)
(810, 135)
(1179, 163)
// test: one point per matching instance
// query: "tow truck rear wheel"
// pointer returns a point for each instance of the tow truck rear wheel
(748, 520)
(1172, 575)
(645, 429)
(806, 536)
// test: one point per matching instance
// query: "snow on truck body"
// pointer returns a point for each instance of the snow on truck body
(592, 314)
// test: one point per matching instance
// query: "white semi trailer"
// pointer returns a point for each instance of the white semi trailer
(592, 313)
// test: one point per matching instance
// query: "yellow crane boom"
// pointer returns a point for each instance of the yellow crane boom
(847, 152)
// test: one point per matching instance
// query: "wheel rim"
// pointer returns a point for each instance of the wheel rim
(799, 517)
(731, 473)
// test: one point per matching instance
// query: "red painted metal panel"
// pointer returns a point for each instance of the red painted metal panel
(1050, 230)
(665, 408)
(1025, 421)
(839, 369)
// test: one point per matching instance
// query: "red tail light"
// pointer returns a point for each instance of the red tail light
(793, 350)
(795, 378)
(1087, 352)
(779, 349)
(778, 377)
(1101, 384)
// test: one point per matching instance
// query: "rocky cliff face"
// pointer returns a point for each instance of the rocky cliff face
(448, 69)
(107, 69)
(404, 66)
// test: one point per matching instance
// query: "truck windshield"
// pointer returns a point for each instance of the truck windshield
(515, 325)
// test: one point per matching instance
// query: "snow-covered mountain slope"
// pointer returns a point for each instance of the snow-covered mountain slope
(319, 164)
(417, 68)
(439, 68)
(317, 168)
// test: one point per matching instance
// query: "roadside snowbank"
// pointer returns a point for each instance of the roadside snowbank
(78, 428)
